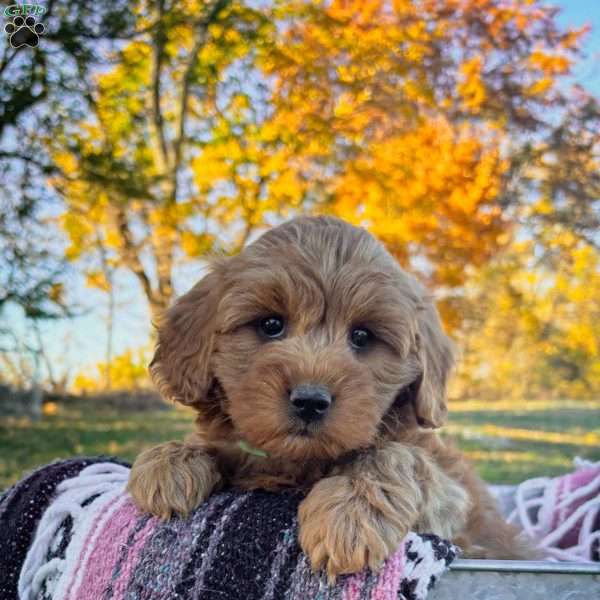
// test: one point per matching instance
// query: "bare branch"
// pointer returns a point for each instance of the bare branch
(8, 58)
(44, 167)
(130, 255)
(201, 34)
(159, 49)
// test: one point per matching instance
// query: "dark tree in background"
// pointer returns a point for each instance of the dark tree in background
(40, 87)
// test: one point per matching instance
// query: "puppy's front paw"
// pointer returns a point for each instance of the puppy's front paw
(343, 531)
(172, 478)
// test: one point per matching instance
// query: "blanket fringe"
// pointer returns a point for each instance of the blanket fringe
(97, 485)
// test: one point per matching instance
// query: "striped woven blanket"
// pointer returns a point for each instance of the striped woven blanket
(71, 532)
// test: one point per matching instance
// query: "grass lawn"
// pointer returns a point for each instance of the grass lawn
(508, 444)
(86, 431)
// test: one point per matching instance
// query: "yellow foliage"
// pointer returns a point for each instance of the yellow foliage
(358, 95)
(127, 371)
(471, 88)
(540, 86)
(532, 330)
(430, 184)
(194, 244)
(551, 64)
(97, 279)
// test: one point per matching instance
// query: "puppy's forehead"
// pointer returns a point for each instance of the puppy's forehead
(317, 269)
(324, 243)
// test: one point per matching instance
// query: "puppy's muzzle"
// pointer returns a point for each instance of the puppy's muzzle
(310, 402)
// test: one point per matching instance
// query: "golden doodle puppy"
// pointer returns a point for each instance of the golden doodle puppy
(314, 361)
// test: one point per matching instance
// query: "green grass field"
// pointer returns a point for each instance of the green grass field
(507, 444)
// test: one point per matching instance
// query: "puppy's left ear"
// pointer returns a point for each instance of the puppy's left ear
(436, 355)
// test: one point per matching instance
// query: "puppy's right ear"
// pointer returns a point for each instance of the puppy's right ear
(181, 366)
(436, 353)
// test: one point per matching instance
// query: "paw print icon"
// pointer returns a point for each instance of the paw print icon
(24, 32)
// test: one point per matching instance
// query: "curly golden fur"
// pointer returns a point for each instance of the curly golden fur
(372, 467)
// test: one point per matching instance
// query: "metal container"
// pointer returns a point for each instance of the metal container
(518, 580)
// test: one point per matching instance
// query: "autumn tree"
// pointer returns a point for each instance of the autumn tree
(439, 124)
(435, 123)
(173, 153)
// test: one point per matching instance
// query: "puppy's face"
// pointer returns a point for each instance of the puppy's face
(304, 344)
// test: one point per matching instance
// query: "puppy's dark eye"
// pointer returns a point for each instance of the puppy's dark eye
(360, 338)
(271, 327)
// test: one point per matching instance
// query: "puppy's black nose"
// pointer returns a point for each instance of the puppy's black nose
(310, 401)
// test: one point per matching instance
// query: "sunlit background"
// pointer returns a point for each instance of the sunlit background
(138, 137)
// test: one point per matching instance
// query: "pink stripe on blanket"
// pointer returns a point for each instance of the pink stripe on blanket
(354, 587)
(73, 587)
(571, 483)
(133, 557)
(390, 577)
(106, 550)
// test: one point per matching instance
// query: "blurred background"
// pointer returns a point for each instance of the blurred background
(136, 137)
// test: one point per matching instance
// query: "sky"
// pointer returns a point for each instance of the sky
(577, 13)
(77, 344)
